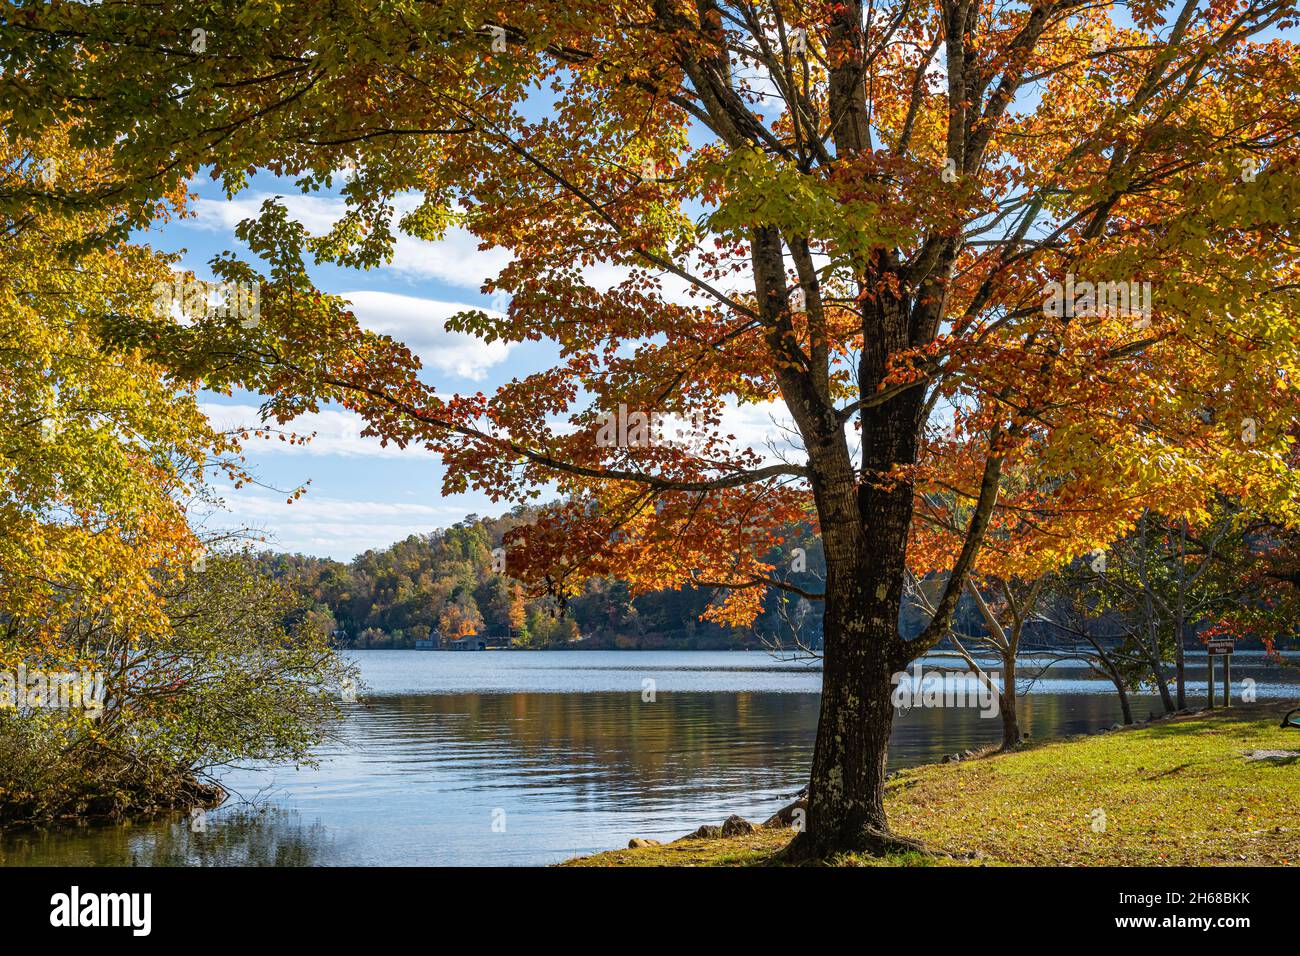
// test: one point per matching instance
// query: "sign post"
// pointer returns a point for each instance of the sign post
(1221, 648)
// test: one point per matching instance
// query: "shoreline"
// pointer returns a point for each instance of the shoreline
(1101, 799)
(189, 793)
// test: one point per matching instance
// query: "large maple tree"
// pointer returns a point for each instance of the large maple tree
(854, 210)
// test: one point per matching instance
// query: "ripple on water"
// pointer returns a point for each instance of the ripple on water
(562, 756)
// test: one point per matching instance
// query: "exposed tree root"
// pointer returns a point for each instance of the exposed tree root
(868, 841)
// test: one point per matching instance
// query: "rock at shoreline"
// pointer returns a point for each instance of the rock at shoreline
(637, 843)
(785, 816)
(736, 825)
(705, 832)
(732, 826)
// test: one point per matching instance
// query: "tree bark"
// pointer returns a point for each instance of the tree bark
(1126, 706)
(1162, 684)
(1180, 664)
(1112, 673)
(864, 589)
(846, 809)
(1180, 624)
(1007, 704)
(1165, 697)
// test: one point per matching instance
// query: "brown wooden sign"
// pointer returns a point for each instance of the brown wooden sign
(1219, 648)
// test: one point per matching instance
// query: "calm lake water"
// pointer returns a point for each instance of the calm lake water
(515, 758)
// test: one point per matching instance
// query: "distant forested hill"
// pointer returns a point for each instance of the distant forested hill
(443, 581)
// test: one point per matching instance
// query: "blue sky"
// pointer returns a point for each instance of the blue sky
(361, 495)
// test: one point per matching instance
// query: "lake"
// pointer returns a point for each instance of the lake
(528, 758)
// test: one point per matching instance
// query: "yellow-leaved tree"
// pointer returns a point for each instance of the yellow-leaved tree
(130, 661)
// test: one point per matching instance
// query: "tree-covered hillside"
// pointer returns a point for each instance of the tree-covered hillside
(447, 581)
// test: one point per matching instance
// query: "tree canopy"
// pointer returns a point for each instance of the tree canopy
(1066, 229)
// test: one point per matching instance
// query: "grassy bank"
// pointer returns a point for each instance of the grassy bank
(1176, 792)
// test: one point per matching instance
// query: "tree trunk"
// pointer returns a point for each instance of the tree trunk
(1165, 696)
(1007, 704)
(864, 588)
(846, 809)
(1181, 669)
(1163, 685)
(864, 520)
(1124, 703)
(1112, 673)
(1180, 624)
(1151, 654)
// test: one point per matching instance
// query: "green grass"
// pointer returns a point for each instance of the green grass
(1176, 792)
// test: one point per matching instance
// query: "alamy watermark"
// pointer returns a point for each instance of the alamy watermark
(194, 298)
(624, 428)
(27, 690)
(75, 908)
(1099, 299)
(921, 688)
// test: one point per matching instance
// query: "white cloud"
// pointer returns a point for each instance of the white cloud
(456, 259)
(758, 426)
(936, 71)
(337, 433)
(418, 322)
(316, 213)
(421, 325)
(310, 508)
(768, 430)
(332, 527)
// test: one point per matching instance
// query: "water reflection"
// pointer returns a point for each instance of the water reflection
(518, 758)
(421, 779)
(270, 836)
